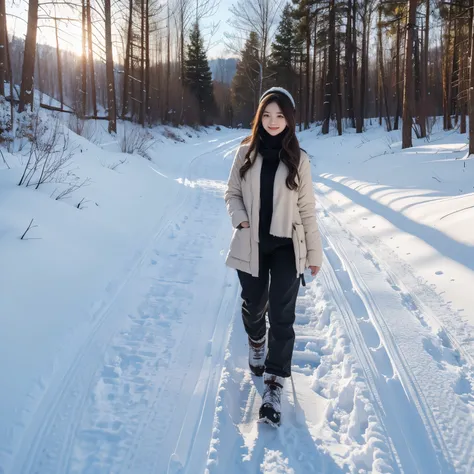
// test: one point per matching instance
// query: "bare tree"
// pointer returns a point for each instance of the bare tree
(409, 90)
(91, 58)
(49, 155)
(126, 78)
(3, 42)
(383, 89)
(331, 86)
(447, 71)
(112, 110)
(471, 93)
(28, 71)
(259, 16)
(60, 71)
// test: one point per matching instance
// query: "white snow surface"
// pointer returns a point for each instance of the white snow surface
(122, 348)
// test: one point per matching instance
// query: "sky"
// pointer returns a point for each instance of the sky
(221, 16)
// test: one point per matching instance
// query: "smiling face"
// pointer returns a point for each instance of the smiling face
(273, 120)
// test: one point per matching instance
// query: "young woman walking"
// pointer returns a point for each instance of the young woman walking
(270, 200)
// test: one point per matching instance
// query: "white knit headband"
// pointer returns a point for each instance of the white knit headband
(281, 91)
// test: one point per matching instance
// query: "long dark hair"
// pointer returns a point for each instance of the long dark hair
(290, 153)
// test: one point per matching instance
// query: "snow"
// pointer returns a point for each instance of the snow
(122, 347)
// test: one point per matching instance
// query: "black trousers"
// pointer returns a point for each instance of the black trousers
(275, 289)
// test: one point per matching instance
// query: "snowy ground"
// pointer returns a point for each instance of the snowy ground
(121, 344)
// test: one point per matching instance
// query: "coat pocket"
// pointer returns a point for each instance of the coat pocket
(240, 244)
(299, 242)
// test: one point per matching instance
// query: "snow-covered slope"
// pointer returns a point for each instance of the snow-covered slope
(121, 343)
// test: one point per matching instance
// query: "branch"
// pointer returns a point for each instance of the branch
(5, 161)
(28, 228)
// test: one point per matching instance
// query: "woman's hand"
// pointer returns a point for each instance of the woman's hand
(314, 270)
(245, 224)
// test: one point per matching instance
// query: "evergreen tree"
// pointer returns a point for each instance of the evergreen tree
(246, 82)
(283, 53)
(198, 75)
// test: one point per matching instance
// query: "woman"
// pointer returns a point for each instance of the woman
(271, 202)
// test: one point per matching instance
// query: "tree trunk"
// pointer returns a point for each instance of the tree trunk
(383, 88)
(471, 90)
(110, 69)
(28, 71)
(158, 115)
(470, 20)
(60, 71)
(308, 68)
(3, 41)
(466, 66)
(83, 112)
(168, 66)
(91, 58)
(417, 77)
(126, 68)
(409, 91)
(379, 78)
(462, 87)
(363, 75)
(349, 69)
(338, 92)
(300, 92)
(330, 89)
(181, 65)
(454, 83)
(10, 72)
(313, 81)
(447, 125)
(147, 63)
(355, 84)
(424, 78)
(367, 78)
(397, 80)
(142, 89)
(40, 82)
(323, 82)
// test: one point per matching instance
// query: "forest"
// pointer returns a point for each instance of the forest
(402, 64)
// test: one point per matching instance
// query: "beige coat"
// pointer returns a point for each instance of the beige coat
(294, 214)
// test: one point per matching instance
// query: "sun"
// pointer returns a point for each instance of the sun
(69, 33)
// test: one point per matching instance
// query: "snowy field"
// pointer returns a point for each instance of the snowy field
(121, 344)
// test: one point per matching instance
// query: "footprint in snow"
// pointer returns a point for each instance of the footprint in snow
(439, 272)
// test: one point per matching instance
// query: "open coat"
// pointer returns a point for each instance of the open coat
(294, 214)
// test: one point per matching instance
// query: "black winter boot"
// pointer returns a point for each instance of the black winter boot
(270, 411)
(257, 356)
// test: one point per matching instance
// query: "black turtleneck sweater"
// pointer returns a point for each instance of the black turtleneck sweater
(270, 147)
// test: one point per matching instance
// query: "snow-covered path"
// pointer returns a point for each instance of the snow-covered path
(160, 385)
(375, 387)
(137, 387)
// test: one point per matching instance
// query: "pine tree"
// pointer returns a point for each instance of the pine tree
(283, 53)
(247, 80)
(198, 75)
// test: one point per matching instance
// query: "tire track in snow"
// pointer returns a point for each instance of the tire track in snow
(417, 424)
(434, 420)
(48, 444)
(49, 440)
